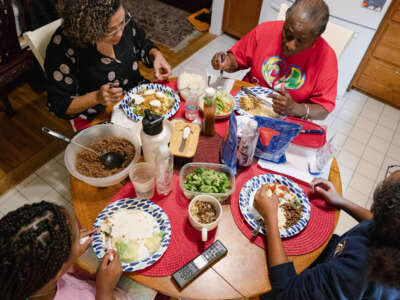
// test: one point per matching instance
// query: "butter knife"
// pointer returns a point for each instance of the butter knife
(186, 132)
(267, 101)
(312, 131)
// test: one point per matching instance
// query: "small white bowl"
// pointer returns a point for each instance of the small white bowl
(204, 228)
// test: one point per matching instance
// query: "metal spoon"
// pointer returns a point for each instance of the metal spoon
(110, 160)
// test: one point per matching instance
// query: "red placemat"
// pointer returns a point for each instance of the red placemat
(185, 241)
(315, 141)
(315, 234)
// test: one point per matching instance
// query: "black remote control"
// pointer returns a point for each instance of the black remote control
(199, 264)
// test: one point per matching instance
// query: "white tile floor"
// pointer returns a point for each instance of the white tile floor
(367, 135)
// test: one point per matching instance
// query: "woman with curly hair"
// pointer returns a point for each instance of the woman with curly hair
(38, 245)
(364, 263)
(93, 57)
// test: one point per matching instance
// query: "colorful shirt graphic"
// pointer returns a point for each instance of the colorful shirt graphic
(309, 76)
(275, 71)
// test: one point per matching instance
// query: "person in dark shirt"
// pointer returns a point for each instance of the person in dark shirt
(93, 57)
(364, 263)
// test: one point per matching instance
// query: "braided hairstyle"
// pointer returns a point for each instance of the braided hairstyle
(86, 21)
(383, 263)
(35, 241)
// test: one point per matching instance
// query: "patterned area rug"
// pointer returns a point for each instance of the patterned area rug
(163, 23)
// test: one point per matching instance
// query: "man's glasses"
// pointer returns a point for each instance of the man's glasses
(391, 169)
(121, 26)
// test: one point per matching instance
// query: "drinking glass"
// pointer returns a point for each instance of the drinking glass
(142, 177)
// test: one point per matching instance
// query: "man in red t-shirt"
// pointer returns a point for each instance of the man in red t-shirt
(292, 58)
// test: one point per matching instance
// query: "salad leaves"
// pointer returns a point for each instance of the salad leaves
(207, 181)
(129, 251)
(222, 103)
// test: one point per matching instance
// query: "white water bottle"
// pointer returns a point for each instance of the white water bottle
(165, 169)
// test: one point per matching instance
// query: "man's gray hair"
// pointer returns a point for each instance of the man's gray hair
(315, 11)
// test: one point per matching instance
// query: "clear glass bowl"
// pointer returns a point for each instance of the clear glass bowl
(91, 134)
(184, 92)
(190, 167)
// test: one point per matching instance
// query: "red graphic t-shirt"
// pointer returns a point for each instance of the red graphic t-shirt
(309, 76)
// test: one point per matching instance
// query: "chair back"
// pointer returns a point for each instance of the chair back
(38, 39)
(337, 36)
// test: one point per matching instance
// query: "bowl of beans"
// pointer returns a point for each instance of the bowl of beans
(86, 165)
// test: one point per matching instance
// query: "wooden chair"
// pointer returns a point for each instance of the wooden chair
(337, 36)
(14, 61)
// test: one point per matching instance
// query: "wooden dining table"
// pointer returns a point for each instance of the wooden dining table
(243, 272)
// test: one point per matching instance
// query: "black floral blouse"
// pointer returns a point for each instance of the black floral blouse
(73, 71)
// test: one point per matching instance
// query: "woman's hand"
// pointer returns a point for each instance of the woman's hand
(328, 191)
(109, 94)
(267, 207)
(85, 245)
(162, 68)
(108, 274)
(284, 104)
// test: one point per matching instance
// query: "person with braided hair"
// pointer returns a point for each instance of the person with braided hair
(39, 243)
(363, 263)
(92, 58)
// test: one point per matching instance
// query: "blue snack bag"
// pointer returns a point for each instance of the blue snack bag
(274, 138)
(229, 145)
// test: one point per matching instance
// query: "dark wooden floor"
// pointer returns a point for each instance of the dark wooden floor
(24, 148)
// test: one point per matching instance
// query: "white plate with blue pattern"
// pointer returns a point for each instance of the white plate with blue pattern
(246, 200)
(144, 205)
(258, 90)
(126, 102)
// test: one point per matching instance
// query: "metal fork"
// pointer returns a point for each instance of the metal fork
(107, 234)
(256, 230)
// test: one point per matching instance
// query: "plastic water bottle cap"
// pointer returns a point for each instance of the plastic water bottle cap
(210, 92)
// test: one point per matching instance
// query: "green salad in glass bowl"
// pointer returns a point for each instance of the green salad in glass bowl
(207, 179)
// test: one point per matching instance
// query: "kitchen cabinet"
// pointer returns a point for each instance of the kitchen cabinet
(379, 72)
(240, 16)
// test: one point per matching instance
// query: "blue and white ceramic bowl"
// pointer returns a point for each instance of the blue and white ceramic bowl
(258, 90)
(145, 205)
(127, 108)
(246, 200)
